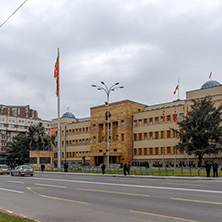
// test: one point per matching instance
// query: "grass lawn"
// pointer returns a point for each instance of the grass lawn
(7, 217)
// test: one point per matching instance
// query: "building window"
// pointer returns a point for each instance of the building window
(134, 123)
(145, 151)
(94, 127)
(135, 152)
(151, 151)
(162, 133)
(94, 139)
(145, 136)
(140, 151)
(122, 123)
(156, 135)
(156, 120)
(151, 121)
(140, 136)
(135, 137)
(181, 117)
(116, 137)
(168, 150)
(156, 151)
(151, 135)
(168, 133)
(140, 122)
(168, 118)
(145, 122)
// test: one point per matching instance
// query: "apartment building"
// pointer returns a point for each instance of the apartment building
(14, 120)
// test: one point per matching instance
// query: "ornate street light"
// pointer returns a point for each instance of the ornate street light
(108, 91)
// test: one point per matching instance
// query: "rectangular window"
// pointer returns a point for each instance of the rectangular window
(134, 123)
(122, 123)
(162, 133)
(94, 139)
(145, 122)
(135, 152)
(168, 118)
(140, 136)
(151, 121)
(140, 151)
(168, 150)
(135, 137)
(145, 151)
(94, 127)
(151, 135)
(145, 136)
(156, 151)
(140, 122)
(168, 133)
(156, 120)
(156, 135)
(151, 151)
(122, 137)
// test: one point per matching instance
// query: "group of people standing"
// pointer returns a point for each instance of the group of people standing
(126, 168)
(215, 169)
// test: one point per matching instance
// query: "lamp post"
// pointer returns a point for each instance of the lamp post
(108, 90)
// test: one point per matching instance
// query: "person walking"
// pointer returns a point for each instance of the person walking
(128, 168)
(208, 167)
(42, 167)
(215, 169)
(103, 167)
(125, 169)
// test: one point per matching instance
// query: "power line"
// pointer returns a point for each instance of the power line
(13, 13)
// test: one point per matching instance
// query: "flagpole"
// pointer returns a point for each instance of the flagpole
(175, 158)
(163, 134)
(59, 153)
(178, 89)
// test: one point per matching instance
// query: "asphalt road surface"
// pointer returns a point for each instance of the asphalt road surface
(51, 197)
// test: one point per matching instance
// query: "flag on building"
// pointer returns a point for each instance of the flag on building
(210, 75)
(175, 115)
(49, 131)
(187, 110)
(53, 131)
(163, 115)
(56, 75)
(177, 87)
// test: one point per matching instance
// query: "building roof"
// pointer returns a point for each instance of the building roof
(68, 115)
(210, 84)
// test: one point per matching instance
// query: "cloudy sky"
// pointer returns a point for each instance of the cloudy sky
(146, 45)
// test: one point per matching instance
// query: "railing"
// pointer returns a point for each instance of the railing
(157, 171)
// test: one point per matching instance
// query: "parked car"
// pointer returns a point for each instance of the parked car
(22, 171)
(4, 169)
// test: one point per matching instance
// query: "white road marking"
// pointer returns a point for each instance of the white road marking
(49, 185)
(130, 185)
(14, 191)
(11, 181)
(201, 185)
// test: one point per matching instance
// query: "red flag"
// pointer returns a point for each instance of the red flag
(175, 115)
(163, 115)
(177, 87)
(187, 110)
(210, 75)
(49, 131)
(53, 131)
(56, 75)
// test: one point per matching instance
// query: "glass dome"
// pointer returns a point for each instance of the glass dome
(68, 115)
(210, 84)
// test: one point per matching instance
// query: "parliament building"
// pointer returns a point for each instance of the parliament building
(138, 133)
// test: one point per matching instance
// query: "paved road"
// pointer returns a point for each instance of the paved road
(53, 197)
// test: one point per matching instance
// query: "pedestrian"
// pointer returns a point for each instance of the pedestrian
(208, 167)
(103, 167)
(42, 167)
(66, 167)
(215, 169)
(11, 166)
(128, 168)
(125, 169)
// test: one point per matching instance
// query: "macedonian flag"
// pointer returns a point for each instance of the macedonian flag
(56, 75)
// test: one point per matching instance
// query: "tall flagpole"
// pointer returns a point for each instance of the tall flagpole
(59, 152)
(178, 89)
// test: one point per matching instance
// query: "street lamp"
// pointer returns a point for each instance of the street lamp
(108, 91)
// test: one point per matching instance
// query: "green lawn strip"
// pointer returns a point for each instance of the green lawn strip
(7, 217)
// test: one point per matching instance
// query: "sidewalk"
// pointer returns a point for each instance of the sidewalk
(133, 176)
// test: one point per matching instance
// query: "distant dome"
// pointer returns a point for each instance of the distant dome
(210, 84)
(68, 115)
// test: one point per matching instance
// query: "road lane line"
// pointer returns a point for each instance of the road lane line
(14, 191)
(113, 192)
(49, 185)
(129, 185)
(186, 184)
(164, 216)
(197, 201)
(11, 181)
(56, 198)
